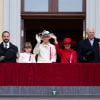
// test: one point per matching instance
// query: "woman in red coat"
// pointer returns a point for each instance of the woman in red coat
(67, 55)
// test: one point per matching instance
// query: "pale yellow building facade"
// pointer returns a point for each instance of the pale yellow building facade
(1, 18)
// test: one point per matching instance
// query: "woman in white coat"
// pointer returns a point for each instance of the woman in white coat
(46, 51)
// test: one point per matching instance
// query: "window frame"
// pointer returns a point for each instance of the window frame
(53, 7)
(53, 12)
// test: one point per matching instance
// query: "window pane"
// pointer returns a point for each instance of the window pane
(36, 5)
(70, 5)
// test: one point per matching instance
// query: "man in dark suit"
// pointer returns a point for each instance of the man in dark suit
(89, 49)
(8, 51)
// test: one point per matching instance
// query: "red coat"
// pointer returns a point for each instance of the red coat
(67, 56)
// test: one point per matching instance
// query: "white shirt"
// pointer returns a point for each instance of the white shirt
(6, 45)
(46, 53)
(91, 41)
(26, 58)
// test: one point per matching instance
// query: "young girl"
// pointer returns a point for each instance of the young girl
(26, 56)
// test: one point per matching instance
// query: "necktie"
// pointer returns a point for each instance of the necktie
(6, 45)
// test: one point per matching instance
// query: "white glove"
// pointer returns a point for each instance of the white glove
(54, 37)
(38, 38)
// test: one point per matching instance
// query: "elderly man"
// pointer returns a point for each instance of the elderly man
(89, 50)
(46, 51)
(8, 51)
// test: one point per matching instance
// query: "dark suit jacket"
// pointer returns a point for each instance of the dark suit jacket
(10, 53)
(88, 53)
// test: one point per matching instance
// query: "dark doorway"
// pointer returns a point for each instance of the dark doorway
(60, 27)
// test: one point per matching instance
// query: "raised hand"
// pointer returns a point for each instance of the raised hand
(54, 37)
(38, 38)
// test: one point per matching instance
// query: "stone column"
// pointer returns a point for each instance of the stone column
(12, 19)
(93, 15)
(1, 18)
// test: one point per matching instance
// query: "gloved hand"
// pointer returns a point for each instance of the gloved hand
(54, 37)
(38, 38)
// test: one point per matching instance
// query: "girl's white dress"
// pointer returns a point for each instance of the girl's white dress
(26, 58)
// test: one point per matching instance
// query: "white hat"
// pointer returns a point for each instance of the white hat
(45, 33)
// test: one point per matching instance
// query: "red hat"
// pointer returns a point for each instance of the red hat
(67, 40)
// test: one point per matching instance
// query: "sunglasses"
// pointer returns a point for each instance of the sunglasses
(67, 43)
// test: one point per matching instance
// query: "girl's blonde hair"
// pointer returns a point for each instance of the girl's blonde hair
(27, 45)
